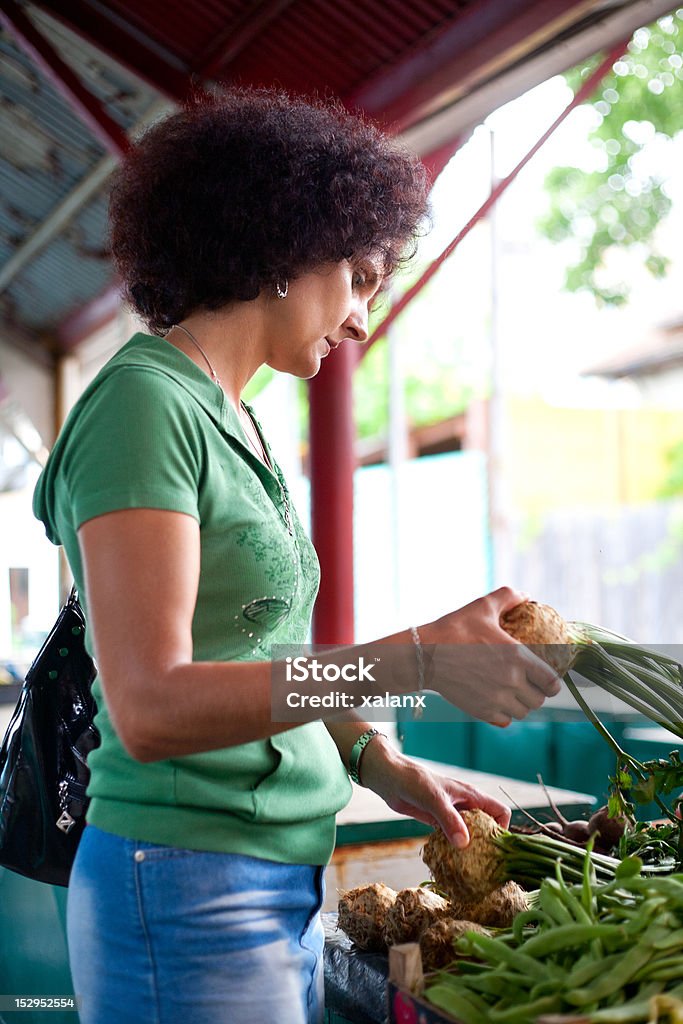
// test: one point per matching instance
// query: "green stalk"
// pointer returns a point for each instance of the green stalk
(532, 858)
(612, 675)
(634, 765)
(654, 678)
(622, 756)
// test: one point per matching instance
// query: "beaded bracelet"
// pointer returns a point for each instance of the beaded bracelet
(357, 751)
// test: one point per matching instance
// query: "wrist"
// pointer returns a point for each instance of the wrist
(424, 650)
(371, 738)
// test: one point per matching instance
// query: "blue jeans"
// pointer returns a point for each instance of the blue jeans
(159, 935)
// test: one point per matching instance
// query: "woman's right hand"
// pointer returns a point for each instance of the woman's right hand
(480, 668)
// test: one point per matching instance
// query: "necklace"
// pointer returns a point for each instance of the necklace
(214, 375)
(261, 449)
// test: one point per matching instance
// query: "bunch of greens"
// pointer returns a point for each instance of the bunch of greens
(649, 681)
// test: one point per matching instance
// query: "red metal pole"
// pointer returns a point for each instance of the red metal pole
(332, 464)
(63, 79)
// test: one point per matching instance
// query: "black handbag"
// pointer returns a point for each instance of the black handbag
(43, 769)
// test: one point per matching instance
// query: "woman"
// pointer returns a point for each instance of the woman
(249, 228)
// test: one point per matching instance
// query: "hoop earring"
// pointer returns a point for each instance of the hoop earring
(282, 289)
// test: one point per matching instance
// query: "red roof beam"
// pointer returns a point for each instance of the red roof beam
(86, 106)
(475, 44)
(238, 36)
(141, 56)
(355, 23)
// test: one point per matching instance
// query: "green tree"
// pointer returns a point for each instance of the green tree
(619, 204)
(673, 485)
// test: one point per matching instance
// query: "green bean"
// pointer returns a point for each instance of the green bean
(635, 1010)
(475, 967)
(664, 970)
(528, 1012)
(601, 949)
(568, 936)
(669, 886)
(526, 917)
(588, 900)
(668, 939)
(549, 987)
(571, 902)
(585, 972)
(498, 952)
(460, 1004)
(493, 984)
(607, 984)
(551, 903)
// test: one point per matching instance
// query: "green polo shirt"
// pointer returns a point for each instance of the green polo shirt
(154, 431)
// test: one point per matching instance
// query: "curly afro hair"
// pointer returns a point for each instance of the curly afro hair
(248, 187)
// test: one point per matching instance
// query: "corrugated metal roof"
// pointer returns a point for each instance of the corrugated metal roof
(400, 58)
(49, 153)
(339, 42)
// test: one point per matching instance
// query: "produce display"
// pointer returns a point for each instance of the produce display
(375, 917)
(560, 922)
(604, 954)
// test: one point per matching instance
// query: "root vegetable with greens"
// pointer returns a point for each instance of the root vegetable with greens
(647, 680)
(495, 856)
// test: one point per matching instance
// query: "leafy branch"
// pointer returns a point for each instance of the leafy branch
(619, 204)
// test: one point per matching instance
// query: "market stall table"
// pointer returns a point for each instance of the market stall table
(376, 844)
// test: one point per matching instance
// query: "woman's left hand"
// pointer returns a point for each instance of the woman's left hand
(410, 789)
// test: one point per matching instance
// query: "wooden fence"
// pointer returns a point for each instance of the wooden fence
(622, 569)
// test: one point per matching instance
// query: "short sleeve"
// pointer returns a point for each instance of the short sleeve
(135, 445)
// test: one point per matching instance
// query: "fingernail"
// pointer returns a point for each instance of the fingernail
(461, 841)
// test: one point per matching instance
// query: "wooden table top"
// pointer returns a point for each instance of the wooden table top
(366, 818)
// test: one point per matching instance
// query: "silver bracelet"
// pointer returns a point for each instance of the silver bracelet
(420, 656)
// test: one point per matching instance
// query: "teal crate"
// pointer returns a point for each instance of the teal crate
(649, 743)
(582, 760)
(520, 751)
(33, 952)
(442, 733)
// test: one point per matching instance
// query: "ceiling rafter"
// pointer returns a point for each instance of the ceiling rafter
(462, 115)
(52, 225)
(68, 208)
(87, 107)
(422, 82)
(238, 36)
(153, 64)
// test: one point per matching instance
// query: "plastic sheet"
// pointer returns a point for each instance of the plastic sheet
(355, 982)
